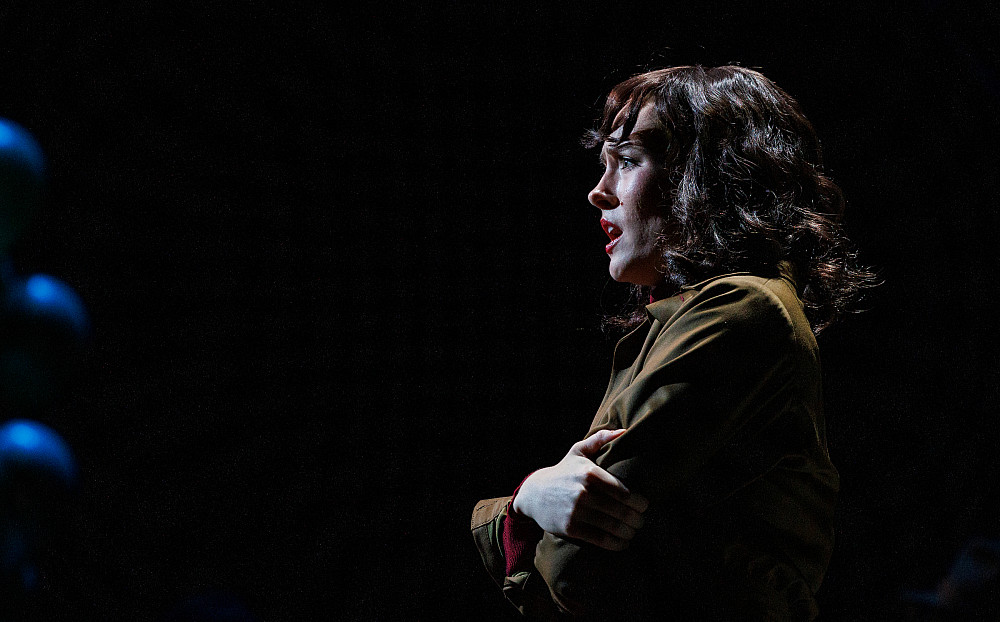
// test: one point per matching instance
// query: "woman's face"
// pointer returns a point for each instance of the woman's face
(630, 197)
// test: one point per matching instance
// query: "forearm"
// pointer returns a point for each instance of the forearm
(487, 530)
(522, 585)
(505, 537)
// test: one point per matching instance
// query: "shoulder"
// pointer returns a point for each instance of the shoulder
(750, 298)
(752, 307)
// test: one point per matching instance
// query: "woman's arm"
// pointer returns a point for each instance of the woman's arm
(723, 370)
(578, 499)
(574, 498)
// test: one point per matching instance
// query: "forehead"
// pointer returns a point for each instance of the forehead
(646, 120)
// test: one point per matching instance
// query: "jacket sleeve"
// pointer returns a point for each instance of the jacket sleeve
(715, 374)
(487, 524)
(525, 589)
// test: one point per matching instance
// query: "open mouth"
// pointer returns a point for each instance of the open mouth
(613, 232)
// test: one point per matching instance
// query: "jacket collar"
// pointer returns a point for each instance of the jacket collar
(664, 309)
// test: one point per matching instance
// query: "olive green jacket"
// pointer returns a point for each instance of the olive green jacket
(720, 392)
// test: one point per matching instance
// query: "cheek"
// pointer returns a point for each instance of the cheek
(644, 191)
(648, 232)
(645, 214)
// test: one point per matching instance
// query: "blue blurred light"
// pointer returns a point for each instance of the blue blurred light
(6, 135)
(48, 296)
(18, 145)
(42, 288)
(29, 444)
(25, 436)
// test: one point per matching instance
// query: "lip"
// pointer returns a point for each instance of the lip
(613, 231)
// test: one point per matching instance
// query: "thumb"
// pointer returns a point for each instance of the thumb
(591, 445)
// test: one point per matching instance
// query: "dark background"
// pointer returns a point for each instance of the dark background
(344, 281)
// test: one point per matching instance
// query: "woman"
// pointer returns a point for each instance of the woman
(703, 489)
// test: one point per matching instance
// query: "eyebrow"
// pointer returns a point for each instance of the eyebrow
(617, 147)
(650, 140)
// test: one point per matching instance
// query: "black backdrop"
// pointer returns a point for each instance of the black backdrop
(345, 281)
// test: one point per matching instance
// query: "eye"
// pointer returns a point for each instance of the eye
(625, 162)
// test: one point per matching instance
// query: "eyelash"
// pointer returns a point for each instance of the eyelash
(625, 163)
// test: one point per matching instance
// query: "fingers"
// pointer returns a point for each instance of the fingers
(617, 491)
(612, 525)
(614, 511)
(590, 446)
(598, 537)
(599, 480)
(602, 511)
(603, 521)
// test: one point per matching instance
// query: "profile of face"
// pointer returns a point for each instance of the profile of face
(630, 197)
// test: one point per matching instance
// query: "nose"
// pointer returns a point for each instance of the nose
(602, 197)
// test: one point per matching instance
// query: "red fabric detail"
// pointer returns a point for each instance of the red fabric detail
(659, 292)
(520, 535)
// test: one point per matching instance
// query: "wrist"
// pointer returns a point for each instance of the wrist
(517, 506)
(519, 500)
(520, 534)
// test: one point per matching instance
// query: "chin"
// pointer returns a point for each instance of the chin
(617, 271)
(618, 276)
(624, 278)
(636, 273)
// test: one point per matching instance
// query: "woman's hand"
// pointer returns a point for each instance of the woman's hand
(578, 499)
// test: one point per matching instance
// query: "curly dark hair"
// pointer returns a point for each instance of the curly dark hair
(746, 185)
